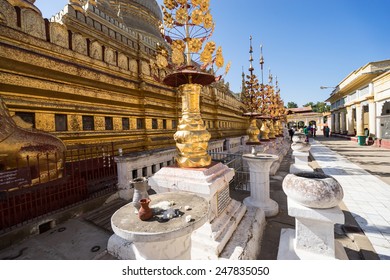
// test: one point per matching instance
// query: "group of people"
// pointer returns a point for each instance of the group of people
(309, 131)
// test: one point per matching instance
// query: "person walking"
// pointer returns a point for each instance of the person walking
(291, 132)
(306, 131)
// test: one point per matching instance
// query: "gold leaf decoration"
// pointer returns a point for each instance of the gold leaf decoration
(168, 20)
(205, 5)
(208, 21)
(178, 44)
(228, 67)
(162, 61)
(210, 47)
(170, 4)
(197, 16)
(177, 56)
(195, 45)
(182, 2)
(219, 61)
(182, 15)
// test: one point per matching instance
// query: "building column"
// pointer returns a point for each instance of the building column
(350, 128)
(372, 117)
(337, 122)
(333, 123)
(343, 129)
(359, 120)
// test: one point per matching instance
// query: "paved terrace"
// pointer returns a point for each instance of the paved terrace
(364, 173)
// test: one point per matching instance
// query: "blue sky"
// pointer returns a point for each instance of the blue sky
(306, 43)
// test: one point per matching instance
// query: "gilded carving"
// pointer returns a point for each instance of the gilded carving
(7, 14)
(33, 24)
(79, 44)
(133, 66)
(123, 61)
(59, 35)
(110, 56)
(99, 123)
(96, 50)
(145, 68)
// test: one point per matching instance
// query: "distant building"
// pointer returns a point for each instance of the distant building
(360, 104)
(304, 116)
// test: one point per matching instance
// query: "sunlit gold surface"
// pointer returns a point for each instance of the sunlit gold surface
(253, 132)
(20, 148)
(271, 133)
(191, 137)
(264, 130)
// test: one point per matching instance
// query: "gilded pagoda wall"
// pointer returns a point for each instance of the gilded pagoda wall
(87, 78)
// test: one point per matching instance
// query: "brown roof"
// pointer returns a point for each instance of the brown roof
(300, 110)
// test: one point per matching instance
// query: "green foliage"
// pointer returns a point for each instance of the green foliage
(292, 105)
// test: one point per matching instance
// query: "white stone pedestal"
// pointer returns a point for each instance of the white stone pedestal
(259, 168)
(313, 237)
(157, 239)
(301, 162)
(211, 183)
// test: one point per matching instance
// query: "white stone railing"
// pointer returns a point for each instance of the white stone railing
(145, 164)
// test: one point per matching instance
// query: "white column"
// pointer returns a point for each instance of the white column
(337, 122)
(359, 120)
(372, 117)
(259, 169)
(333, 123)
(350, 128)
(343, 129)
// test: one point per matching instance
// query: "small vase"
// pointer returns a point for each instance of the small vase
(140, 186)
(144, 212)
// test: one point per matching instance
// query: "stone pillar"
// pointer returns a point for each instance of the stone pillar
(259, 168)
(350, 127)
(312, 199)
(333, 123)
(337, 123)
(343, 129)
(359, 120)
(372, 117)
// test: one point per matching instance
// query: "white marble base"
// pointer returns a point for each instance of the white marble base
(313, 237)
(210, 240)
(288, 252)
(297, 168)
(211, 183)
(245, 243)
(174, 249)
(270, 207)
(301, 158)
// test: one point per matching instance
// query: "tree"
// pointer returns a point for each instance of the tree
(292, 105)
(318, 107)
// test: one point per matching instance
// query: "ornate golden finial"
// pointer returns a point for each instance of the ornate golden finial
(187, 27)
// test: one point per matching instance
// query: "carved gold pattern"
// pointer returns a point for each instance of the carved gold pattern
(191, 137)
(264, 130)
(253, 132)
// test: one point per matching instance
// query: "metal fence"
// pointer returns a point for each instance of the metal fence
(240, 181)
(29, 191)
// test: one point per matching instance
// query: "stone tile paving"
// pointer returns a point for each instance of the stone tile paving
(366, 194)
